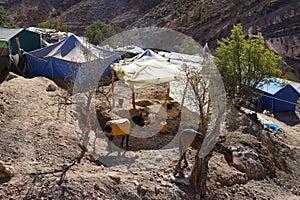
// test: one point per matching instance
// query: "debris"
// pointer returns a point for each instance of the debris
(274, 128)
(270, 126)
(268, 113)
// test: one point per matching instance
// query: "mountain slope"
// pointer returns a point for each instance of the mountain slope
(204, 20)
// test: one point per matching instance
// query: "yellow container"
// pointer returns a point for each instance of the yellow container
(163, 127)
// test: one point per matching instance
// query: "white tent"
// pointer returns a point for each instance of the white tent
(141, 74)
(147, 69)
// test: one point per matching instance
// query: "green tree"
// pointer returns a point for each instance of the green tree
(244, 62)
(5, 20)
(98, 32)
(55, 13)
(54, 24)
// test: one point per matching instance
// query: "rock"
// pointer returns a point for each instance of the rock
(165, 183)
(136, 182)
(116, 179)
(2, 109)
(5, 173)
(97, 187)
(141, 190)
(233, 190)
(11, 76)
(156, 190)
(51, 88)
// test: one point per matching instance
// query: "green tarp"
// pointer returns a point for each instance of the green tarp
(4, 45)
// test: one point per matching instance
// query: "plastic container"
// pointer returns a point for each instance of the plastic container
(163, 127)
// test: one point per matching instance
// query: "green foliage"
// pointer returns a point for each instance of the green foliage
(53, 24)
(232, 6)
(244, 62)
(55, 13)
(98, 32)
(5, 20)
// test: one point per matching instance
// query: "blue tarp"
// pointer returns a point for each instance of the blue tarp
(273, 127)
(278, 97)
(66, 58)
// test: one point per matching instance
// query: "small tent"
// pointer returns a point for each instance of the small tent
(278, 96)
(28, 40)
(14, 39)
(63, 60)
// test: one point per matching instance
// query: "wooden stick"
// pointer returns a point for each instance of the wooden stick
(168, 94)
(113, 86)
(19, 45)
(133, 98)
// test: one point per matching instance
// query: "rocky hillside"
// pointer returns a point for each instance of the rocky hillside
(39, 138)
(204, 20)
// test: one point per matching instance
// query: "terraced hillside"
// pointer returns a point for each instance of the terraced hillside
(204, 20)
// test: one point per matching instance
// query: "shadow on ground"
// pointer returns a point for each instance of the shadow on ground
(289, 118)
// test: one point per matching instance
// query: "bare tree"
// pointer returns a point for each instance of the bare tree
(201, 83)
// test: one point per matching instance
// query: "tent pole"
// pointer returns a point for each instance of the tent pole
(168, 94)
(168, 90)
(19, 45)
(51, 67)
(133, 98)
(113, 86)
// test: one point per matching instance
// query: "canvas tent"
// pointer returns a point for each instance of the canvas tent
(278, 96)
(64, 59)
(29, 40)
(147, 69)
(11, 39)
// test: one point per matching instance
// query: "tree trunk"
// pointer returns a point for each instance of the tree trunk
(199, 175)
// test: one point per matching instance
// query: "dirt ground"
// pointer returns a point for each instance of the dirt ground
(36, 142)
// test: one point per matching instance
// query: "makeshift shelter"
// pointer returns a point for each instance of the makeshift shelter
(28, 40)
(146, 69)
(65, 59)
(278, 97)
(14, 39)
